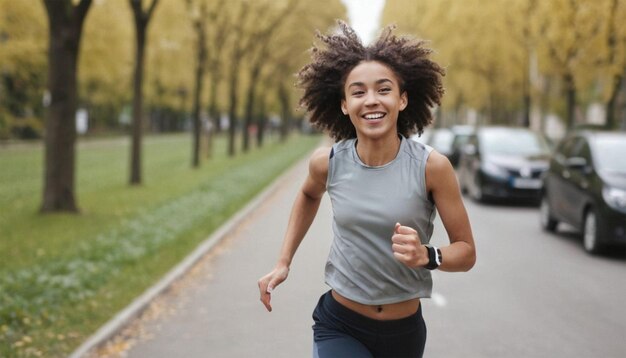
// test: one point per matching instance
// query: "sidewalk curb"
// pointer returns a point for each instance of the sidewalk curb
(132, 311)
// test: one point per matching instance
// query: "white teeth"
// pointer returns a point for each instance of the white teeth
(374, 116)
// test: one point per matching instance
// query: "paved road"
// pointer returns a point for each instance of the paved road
(531, 294)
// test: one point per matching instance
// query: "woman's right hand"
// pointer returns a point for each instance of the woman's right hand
(269, 282)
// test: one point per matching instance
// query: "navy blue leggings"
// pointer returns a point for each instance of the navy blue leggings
(340, 332)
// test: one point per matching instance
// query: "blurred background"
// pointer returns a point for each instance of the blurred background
(550, 66)
(130, 130)
(547, 65)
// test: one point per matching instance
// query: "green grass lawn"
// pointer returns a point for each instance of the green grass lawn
(64, 275)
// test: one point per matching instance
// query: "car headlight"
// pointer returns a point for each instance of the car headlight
(615, 198)
(494, 170)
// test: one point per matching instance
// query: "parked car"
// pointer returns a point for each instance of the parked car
(585, 187)
(449, 141)
(504, 163)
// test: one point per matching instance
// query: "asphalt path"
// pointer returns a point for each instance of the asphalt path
(531, 294)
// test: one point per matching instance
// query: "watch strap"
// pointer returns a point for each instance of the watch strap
(434, 258)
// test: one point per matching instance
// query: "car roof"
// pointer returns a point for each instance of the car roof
(594, 135)
(597, 133)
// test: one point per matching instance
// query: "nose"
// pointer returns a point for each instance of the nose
(371, 99)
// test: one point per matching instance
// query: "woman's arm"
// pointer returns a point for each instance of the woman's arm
(302, 214)
(442, 182)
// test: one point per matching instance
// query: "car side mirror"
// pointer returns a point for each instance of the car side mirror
(578, 163)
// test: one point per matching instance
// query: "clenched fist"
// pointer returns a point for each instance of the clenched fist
(407, 247)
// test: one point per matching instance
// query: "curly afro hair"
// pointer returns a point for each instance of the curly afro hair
(324, 78)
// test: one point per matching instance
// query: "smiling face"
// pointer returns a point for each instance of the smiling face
(373, 100)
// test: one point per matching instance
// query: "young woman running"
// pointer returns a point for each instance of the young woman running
(385, 191)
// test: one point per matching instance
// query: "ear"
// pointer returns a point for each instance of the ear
(344, 108)
(404, 100)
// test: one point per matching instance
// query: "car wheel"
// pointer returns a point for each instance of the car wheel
(548, 222)
(591, 231)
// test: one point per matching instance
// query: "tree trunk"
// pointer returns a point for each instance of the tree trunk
(65, 29)
(283, 97)
(611, 106)
(622, 108)
(262, 122)
(137, 124)
(492, 106)
(232, 108)
(570, 98)
(197, 96)
(526, 100)
(141, 24)
(213, 112)
(214, 115)
(254, 79)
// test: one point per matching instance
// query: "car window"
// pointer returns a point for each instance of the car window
(565, 149)
(609, 154)
(517, 142)
(581, 149)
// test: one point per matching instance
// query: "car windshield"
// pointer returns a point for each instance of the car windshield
(442, 140)
(460, 140)
(610, 154)
(514, 142)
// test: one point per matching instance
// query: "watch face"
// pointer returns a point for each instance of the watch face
(439, 257)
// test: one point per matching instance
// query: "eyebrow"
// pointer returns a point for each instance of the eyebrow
(382, 80)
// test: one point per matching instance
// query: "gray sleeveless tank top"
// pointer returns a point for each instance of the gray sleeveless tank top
(367, 202)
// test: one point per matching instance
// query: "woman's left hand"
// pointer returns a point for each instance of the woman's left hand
(407, 247)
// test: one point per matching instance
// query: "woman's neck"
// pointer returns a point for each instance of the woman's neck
(377, 152)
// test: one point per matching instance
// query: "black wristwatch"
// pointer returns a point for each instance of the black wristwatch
(434, 258)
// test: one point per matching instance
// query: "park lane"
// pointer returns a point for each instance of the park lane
(217, 312)
(531, 294)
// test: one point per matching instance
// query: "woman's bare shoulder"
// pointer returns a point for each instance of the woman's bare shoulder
(318, 163)
(439, 170)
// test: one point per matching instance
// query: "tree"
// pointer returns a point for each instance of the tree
(523, 33)
(170, 57)
(220, 32)
(285, 54)
(616, 58)
(238, 50)
(106, 64)
(199, 16)
(487, 49)
(202, 18)
(258, 55)
(142, 18)
(23, 34)
(65, 22)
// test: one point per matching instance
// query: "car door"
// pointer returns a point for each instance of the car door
(573, 183)
(580, 180)
(556, 180)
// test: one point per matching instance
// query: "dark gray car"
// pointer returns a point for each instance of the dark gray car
(586, 188)
(504, 163)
